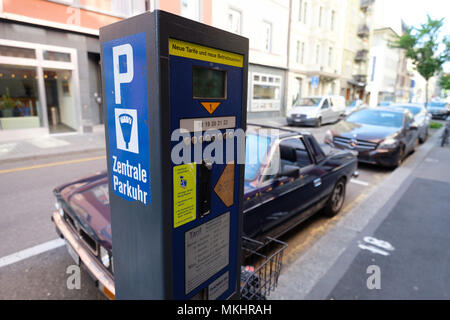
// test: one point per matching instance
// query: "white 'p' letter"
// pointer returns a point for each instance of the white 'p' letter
(127, 76)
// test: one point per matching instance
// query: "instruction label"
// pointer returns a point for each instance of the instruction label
(198, 52)
(184, 193)
(207, 249)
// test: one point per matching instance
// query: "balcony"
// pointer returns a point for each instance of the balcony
(360, 78)
(361, 55)
(363, 31)
(365, 4)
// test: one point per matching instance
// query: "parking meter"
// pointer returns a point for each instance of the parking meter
(175, 99)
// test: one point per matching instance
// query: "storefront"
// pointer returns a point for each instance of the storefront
(265, 91)
(38, 87)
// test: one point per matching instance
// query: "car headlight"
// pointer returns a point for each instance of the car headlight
(59, 208)
(388, 143)
(104, 256)
(328, 137)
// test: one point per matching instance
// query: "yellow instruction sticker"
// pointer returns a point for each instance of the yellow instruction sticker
(184, 193)
(198, 52)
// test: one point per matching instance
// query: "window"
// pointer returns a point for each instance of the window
(190, 9)
(302, 59)
(266, 93)
(297, 58)
(7, 51)
(330, 57)
(294, 153)
(56, 56)
(317, 53)
(19, 100)
(267, 34)
(333, 17)
(300, 11)
(234, 21)
(320, 16)
(305, 9)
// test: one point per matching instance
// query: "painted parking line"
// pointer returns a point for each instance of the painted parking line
(52, 164)
(363, 183)
(30, 252)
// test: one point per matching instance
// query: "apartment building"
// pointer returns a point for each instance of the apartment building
(265, 23)
(315, 48)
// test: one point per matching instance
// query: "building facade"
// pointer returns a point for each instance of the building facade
(315, 48)
(49, 63)
(265, 23)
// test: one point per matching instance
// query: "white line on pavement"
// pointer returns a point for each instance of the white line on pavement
(363, 183)
(30, 252)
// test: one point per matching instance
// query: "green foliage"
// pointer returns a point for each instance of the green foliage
(435, 125)
(444, 81)
(421, 46)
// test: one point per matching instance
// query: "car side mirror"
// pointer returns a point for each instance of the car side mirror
(289, 171)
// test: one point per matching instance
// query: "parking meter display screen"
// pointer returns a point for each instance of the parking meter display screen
(209, 83)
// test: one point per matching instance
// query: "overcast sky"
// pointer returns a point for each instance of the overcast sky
(414, 12)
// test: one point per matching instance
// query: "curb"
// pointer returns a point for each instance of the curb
(309, 277)
(50, 155)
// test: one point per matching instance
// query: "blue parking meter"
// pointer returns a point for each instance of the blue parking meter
(175, 99)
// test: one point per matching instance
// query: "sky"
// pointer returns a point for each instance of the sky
(414, 12)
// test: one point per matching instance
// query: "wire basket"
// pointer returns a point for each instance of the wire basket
(263, 266)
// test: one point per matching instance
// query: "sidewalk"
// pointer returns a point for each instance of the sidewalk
(51, 145)
(402, 228)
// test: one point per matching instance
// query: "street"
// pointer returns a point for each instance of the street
(43, 275)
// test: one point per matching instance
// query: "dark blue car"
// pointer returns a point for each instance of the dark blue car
(288, 178)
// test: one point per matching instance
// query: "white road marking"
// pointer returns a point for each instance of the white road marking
(30, 252)
(363, 183)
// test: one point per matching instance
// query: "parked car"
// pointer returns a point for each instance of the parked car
(439, 109)
(303, 179)
(382, 136)
(422, 118)
(315, 111)
(355, 105)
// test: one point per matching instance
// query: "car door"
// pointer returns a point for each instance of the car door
(326, 111)
(282, 197)
(411, 135)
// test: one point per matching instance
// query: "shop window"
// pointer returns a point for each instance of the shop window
(56, 56)
(266, 93)
(19, 101)
(8, 51)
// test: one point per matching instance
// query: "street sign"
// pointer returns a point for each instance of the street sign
(314, 81)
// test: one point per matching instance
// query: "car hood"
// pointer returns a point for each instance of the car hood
(437, 109)
(91, 207)
(303, 110)
(363, 131)
(88, 202)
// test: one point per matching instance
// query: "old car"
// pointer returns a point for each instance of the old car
(293, 179)
(422, 117)
(381, 136)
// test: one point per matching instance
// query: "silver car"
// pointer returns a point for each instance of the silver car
(422, 117)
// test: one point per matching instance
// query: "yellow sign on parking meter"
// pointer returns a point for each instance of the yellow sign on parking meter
(184, 194)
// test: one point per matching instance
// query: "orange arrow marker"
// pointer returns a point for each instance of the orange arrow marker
(210, 106)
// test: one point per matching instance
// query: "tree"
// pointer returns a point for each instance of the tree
(444, 81)
(421, 45)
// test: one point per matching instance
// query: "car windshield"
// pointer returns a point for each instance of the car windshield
(437, 104)
(414, 110)
(308, 102)
(377, 118)
(256, 149)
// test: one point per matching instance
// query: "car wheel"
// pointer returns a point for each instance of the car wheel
(425, 137)
(400, 158)
(318, 122)
(336, 200)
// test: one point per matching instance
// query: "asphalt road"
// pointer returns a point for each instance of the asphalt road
(26, 200)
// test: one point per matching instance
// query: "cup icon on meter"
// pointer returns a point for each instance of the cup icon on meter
(126, 130)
